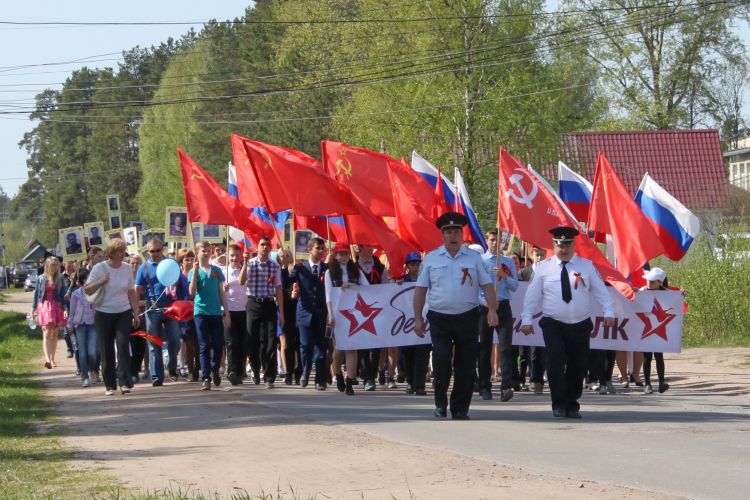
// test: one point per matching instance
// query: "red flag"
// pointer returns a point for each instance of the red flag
(528, 208)
(207, 202)
(151, 338)
(363, 172)
(181, 310)
(440, 206)
(614, 211)
(414, 224)
(290, 179)
(322, 227)
(467, 236)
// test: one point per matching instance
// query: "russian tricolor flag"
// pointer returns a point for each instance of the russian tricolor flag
(429, 172)
(575, 191)
(675, 225)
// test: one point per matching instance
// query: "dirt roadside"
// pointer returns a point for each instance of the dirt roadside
(223, 442)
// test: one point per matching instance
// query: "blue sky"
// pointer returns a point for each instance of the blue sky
(100, 46)
(24, 45)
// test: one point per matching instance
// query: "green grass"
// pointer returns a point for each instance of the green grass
(34, 464)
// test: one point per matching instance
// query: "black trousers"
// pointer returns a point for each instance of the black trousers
(114, 329)
(606, 365)
(537, 365)
(567, 355)
(508, 352)
(454, 336)
(368, 359)
(137, 354)
(237, 340)
(647, 366)
(261, 325)
(416, 359)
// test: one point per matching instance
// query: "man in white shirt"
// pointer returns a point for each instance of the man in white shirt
(561, 289)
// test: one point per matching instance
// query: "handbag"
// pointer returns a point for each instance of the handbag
(97, 297)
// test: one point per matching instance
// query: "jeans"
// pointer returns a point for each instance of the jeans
(157, 324)
(210, 330)
(88, 354)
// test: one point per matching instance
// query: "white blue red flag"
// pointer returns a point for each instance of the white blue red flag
(430, 173)
(575, 191)
(675, 225)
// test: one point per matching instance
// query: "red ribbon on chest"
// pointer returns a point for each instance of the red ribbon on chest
(467, 274)
(580, 279)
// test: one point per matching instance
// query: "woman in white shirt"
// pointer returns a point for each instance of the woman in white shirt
(114, 315)
(343, 272)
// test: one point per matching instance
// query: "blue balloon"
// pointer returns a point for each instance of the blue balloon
(274, 256)
(168, 272)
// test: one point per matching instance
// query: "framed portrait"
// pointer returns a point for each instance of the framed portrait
(72, 243)
(113, 203)
(114, 233)
(287, 237)
(176, 224)
(196, 230)
(155, 232)
(213, 233)
(115, 220)
(131, 239)
(138, 224)
(301, 240)
(94, 233)
(143, 237)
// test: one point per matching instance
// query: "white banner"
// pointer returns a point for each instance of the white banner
(383, 316)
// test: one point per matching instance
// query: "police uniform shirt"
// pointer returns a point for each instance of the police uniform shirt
(453, 282)
(506, 285)
(545, 292)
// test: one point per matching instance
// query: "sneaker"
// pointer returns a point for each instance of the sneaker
(85, 383)
(611, 388)
(595, 387)
(648, 389)
(78, 372)
(269, 384)
(506, 394)
(603, 390)
(409, 389)
(524, 388)
(538, 387)
(173, 376)
(125, 390)
(109, 392)
(663, 388)
(216, 378)
(369, 385)
(94, 376)
(206, 385)
(391, 384)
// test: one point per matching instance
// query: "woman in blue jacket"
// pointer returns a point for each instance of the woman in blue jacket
(48, 308)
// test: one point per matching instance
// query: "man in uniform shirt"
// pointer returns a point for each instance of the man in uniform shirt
(450, 278)
(561, 289)
(504, 270)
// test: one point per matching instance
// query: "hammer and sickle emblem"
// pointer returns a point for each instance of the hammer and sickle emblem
(267, 157)
(343, 165)
(196, 176)
(519, 193)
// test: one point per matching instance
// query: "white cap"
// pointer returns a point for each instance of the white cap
(655, 274)
(476, 248)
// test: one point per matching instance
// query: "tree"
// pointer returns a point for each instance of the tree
(657, 56)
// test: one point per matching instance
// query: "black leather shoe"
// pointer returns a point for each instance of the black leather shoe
(234, 379)
(420, 392)
(573, 414)
(486, 394)
(506, 394)
(157, 383)
(340, 384)
(459, 415)
(288, 380)
(409, 389)
(381, 377)
(348, 387)
(559, 413)
(440, 413)
(216, 378)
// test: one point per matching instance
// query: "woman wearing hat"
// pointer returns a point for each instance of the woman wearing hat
(656, 278)
(343, 272)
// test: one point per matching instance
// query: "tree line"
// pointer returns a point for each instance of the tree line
(452, 79)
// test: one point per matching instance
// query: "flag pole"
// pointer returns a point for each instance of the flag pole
(265, 199)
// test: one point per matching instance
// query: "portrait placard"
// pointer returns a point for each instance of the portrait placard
(176, 223)
(71, 243)
(113, 203)
(94, 233)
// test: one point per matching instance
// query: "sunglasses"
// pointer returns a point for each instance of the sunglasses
(156, 250)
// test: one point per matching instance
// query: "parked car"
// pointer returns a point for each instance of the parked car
(30, 283)
(21, 271)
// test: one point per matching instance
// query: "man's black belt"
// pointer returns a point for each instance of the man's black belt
(262, 300)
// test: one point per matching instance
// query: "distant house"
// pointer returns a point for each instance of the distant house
(36, 251)
(687, 163)
(738, 164)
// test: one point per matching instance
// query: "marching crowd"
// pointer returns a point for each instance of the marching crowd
(263, 318)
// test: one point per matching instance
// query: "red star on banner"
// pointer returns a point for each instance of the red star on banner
(662, 316)
(366, 312)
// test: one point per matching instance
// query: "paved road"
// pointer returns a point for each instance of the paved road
(692, 441)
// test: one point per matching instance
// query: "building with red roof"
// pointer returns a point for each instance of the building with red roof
(687, 163)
